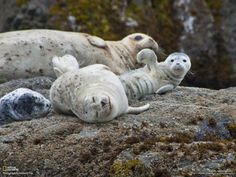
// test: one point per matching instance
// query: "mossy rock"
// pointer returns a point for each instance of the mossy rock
(108, 19)
(130, 168)
(21, 2)
(232, 130)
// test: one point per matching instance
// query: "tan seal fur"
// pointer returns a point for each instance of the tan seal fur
(93, 93)
(155, 77)
(28, 53)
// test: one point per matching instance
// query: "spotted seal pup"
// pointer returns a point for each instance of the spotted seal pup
(28, 53)
(23, 104)
(93, 93)
(155, 77)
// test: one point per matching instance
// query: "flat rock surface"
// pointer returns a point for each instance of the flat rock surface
(189, 131)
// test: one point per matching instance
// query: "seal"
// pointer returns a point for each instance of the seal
(23, 104)
(64, 64)
(93, 93)
(28, 53)
(155, 77)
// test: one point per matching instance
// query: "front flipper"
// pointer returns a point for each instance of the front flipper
(137, 110)
(97, 41)
(165, 89)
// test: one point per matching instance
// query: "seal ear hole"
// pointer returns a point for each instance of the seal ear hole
(184, 61)
(138, 38)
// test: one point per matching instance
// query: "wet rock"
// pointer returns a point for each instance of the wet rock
(204, 29)
(161, 141)
(214, 129)
(39, 84)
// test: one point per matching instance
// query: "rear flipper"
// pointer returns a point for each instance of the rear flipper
(64, 64)
(137, 110)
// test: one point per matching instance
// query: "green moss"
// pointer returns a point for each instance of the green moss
(130, 168)
(232, 130)
(21, 2)
(178, 137)
(104, 18)
(215, 7)
(2, 79)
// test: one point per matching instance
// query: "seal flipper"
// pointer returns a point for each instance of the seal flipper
(148, 57)
(64, 64)
(137, 110)
(165, 89)
(97, 41)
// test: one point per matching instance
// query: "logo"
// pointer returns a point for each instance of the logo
(12, 170)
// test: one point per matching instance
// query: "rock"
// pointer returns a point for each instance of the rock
(39, 84)
(204, 29)
(197, 38)
(161, 141)
(228, 27)
(212, 128)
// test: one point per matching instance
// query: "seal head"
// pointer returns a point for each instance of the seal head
(137, 41)
(178, 64)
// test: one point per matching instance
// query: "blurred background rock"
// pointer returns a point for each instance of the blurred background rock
(204, 29)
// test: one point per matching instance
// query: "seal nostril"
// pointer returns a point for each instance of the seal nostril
(177, 63)
(103, 103)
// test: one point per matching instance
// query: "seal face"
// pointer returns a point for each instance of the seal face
(23, 104)
(29, 53)
(155, 77)
(94, 94)
(178, 64)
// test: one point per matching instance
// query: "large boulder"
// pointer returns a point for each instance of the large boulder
(204, 29)
(187, 131)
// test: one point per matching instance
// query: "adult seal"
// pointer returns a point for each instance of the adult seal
(94, 94)
(155, 77)
(28, 53)
(23, 104)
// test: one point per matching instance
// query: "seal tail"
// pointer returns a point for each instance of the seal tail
(137, 110)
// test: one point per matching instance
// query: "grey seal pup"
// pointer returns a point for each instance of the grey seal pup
(93, 93)
(155, 77)
(28, 53)
(23, 104)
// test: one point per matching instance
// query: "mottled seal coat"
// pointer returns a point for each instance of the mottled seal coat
(155, 77)
(23, 104)
(28, 53)
(94, 94)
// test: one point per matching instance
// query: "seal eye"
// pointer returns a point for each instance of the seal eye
(138, 38)
(172, 60)
(184, 61)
